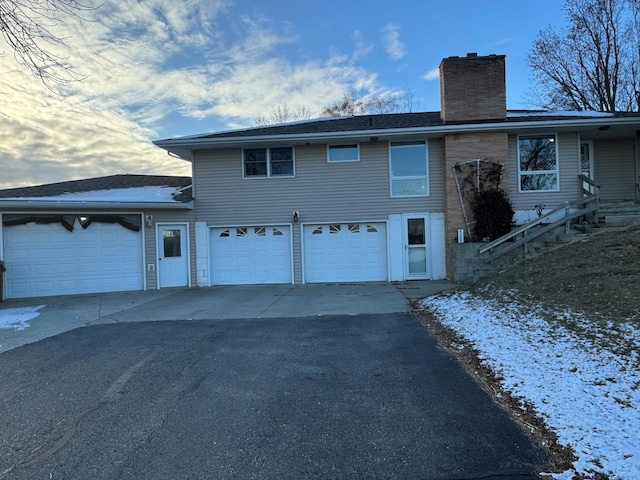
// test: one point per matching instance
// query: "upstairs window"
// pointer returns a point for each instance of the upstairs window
(538, 164)
(343, 153)
(408, 169)
(268, 162)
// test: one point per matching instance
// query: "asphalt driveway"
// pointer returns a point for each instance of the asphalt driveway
(325, 396)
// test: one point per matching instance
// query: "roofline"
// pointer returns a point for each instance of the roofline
(31, 202)
(191, 143)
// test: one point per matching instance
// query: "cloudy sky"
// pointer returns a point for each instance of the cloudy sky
(163, 68)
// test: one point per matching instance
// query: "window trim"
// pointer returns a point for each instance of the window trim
(555, 172)
(268, 157)
(414, 177)
(330, 146)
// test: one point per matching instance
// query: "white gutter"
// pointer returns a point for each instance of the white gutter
(30, 202)
(195, 143)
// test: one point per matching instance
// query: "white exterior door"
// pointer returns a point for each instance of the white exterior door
(47, 259)
(251, 255)
(173, 256)
(345, 252)
(416, 247)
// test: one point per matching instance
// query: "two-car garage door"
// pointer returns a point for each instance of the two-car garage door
(47, 259)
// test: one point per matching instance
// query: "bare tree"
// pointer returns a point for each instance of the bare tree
(281, 114)
(27, 27)
(351, 105)
(594, 64)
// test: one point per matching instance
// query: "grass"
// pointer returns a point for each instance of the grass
(596, 279)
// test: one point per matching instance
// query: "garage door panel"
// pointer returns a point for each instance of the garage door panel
(46, 259)
(251, 255)
(348, 252)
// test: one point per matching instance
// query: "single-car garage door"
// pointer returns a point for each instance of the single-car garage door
(251, 255)
(47, 259)
(345, 252)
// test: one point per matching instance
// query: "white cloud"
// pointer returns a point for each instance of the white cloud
(394, 47)
(145, 61)
(433, 74)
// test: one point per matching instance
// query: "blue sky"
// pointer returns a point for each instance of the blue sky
(161, 68)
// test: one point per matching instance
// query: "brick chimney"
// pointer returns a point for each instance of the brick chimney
(473, 89)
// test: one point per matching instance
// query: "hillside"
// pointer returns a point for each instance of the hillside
(555, 341)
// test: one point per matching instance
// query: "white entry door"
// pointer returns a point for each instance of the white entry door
(416, 247)
(173, 256)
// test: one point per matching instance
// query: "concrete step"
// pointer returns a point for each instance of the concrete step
(619, 219)
(619, 212)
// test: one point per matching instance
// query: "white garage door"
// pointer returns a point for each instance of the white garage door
(345, 252)
(47, 259)
(251, 255)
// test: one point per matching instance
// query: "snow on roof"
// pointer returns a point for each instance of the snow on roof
(155, 194)
(558, 113)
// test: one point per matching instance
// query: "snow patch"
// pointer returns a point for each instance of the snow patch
(18, 318)
(136, 194)
(588, 396)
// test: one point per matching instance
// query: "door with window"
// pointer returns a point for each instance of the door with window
(586, 163)
(416, 247)
(173, 256)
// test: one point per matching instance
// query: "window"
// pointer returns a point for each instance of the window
(343, 153)
(268, 162)
(408, 169)
(538, 164)
(171, 242)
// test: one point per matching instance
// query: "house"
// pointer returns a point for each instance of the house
(117, 233)
(377, 197)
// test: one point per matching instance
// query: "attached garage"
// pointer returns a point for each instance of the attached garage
(45, 259)
(345, 252)
(251, 255)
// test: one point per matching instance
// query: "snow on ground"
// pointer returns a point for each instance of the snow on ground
(588, 396)
(18, 318)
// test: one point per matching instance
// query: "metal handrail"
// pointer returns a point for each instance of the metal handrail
(524, 228)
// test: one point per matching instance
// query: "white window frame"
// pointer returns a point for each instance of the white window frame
(555, 172)
(268, 155)
(414, 177)
(350, 145)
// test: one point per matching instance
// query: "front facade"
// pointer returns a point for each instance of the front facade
(321, 219)
(353, 199)
(380, 197)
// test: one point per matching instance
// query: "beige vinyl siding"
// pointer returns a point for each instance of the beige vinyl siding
(614, 168)
(569, 169)
(320, 191)
(150, 251)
